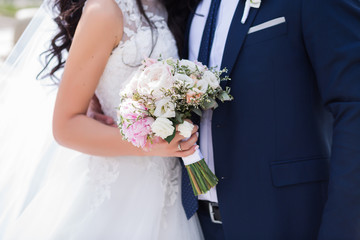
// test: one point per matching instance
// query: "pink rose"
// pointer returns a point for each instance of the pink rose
(138, 131)
(131, 110)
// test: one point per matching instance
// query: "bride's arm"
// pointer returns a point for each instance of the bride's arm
(99, 30)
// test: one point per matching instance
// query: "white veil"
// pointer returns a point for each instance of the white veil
(28, 151)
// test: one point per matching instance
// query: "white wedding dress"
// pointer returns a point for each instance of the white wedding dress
(90, 197)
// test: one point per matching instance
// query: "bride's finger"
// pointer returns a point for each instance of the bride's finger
(178, 137)
(185, 145)
(187, 152)
(195, 129)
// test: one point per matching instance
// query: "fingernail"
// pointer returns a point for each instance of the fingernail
(197, 134)
(196, 147)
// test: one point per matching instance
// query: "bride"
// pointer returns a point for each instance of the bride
(112, 190)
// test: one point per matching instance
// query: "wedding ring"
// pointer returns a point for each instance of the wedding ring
(179, 147)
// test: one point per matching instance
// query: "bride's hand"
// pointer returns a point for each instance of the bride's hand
(172, 149)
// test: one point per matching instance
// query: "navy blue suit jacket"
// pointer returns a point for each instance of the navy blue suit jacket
(287, 149)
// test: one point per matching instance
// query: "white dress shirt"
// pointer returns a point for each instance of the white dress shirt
(226, 13)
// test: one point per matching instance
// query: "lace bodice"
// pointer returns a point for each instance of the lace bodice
(138, 41)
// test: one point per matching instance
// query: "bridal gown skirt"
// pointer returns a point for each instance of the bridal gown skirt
(108, 198)
(85, 197)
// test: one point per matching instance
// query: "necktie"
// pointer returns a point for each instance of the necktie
(189, 200)
(209, 32)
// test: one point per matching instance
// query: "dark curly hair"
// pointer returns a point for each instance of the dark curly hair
(69, 15)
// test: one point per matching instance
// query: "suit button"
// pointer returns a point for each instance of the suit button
(218, 125)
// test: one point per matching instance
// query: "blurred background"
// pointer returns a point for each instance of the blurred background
(14, 17)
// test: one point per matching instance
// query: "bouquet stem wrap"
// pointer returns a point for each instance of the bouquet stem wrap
(202, 179)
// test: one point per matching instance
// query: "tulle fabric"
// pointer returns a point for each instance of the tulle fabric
(76, 204)
(27, 148)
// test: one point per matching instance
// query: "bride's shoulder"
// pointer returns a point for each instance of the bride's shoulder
(100, 19)
(107, 10)
(104, 13)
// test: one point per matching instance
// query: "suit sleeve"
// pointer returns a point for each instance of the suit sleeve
(331, 32)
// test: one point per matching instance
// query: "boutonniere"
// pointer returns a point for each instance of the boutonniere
(249, 4)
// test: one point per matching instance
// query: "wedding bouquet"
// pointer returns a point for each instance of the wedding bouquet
(160, 96)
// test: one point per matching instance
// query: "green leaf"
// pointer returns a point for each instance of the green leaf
(224, 96)
(187, 115)
(170, 62)
(171, 137)
(179, 117)
(210, 104)
(197, 111)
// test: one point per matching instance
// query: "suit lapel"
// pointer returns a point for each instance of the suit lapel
(236, 36)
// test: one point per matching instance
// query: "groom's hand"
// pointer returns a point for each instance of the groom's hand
(94, 111)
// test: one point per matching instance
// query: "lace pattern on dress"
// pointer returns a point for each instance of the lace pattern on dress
(137, 43)
(102, 173)
(135, 23)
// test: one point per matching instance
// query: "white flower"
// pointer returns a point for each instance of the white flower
(154, 79)
(185, 129)
(201, 86)
(200, 66)
(183, 78)
(164, 108)
(249, 4)
(191, 65)
(211, 79)
(162, 127)
(131, 87)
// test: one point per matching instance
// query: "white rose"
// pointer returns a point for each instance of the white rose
(201, 86)
(131, 85)
(185, 129)
(155, 78)
(183, 78)
(164, 108)
(162, 127)
(191, 65)
(211, 79)
(142, 85)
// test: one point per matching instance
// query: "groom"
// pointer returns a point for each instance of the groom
(287, 149)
